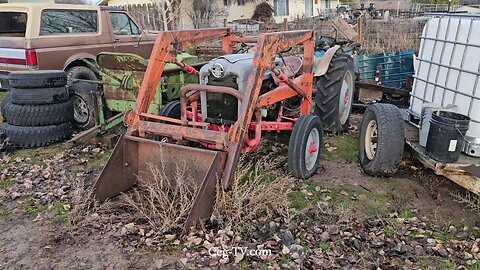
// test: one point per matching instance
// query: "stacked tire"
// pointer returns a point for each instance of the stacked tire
(38, 110)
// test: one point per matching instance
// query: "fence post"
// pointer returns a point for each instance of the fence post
(285, 24)
(360, 28)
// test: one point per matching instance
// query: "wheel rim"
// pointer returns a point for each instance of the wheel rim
(346, 97)
(80, 110)
(371, 139)
(312, 149)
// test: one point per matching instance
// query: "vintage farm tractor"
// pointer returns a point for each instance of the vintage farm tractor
(240, 96)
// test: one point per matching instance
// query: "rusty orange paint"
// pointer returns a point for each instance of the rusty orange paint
(268, 45)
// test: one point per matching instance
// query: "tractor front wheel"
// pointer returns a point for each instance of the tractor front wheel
(304, 146)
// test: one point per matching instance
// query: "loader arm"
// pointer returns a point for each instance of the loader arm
(164, 51)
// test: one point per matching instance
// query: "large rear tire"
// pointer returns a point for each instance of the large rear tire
(382, 139)
(334, 96)
(172, 109)
(304, 146)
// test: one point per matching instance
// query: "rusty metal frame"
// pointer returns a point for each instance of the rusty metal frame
(268, 46)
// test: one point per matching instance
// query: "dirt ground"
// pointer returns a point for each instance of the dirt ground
(39, 188)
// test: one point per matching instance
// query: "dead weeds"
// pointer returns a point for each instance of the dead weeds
(259, 191)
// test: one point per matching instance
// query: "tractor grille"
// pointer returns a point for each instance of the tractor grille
(222, 109)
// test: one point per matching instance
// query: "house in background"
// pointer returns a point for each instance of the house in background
(240, 9)
(290, 9)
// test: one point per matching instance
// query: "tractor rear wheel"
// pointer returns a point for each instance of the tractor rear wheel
(172, 109)
(304, 146)
(334, 96)
(382, 138)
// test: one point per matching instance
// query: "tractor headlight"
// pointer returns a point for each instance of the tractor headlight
(217, 70)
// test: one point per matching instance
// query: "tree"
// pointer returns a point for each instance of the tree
(263, 12)
(169, 12)
(205, 12)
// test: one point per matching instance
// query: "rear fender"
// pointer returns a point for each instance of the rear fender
(320, 66)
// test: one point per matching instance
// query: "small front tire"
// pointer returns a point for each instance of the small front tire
(304, 146)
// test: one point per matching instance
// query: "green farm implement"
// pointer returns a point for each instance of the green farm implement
(102, 104)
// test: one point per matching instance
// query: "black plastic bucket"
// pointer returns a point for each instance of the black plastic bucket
(446, 135)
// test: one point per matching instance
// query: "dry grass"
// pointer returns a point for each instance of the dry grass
(259, 191)
(163, 202)
(396, 35)
(471, 200)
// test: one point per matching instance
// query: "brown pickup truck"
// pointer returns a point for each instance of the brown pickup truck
(54, 36)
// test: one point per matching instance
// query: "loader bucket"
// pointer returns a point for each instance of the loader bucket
(132, 157)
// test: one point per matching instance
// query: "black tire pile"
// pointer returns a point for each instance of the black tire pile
(38, 110)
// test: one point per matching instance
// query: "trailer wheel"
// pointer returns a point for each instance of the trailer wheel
(36, 136)
(85, 109)
(382, 139)
(334, 95)
(172, 109)
(304, 146)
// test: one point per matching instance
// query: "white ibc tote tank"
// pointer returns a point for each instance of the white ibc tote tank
(448, 67)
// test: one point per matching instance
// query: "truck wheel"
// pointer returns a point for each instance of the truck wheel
(304, 146)
(37, 79)
(39, 96)
(6, 99)
(172, 109)
(334, 95)
(85, 109)
(80, 72)
(382, 138)
(39, 115)
(36, 136)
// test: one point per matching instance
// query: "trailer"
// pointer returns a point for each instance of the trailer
(446, 79)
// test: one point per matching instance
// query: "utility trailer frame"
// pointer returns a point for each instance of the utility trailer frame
(465, 172)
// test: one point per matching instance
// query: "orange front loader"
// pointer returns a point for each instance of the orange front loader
(210, 150)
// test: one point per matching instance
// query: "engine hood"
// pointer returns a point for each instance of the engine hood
(238, 65)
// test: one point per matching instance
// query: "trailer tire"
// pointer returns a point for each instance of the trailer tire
(6, 99)
(334, 96)
(39, 96)
(80, 72)
(37, 79)
(171, 109)
(39, 115)
(307, 133)
(85, 111)
(382, 139)
(26, 137)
